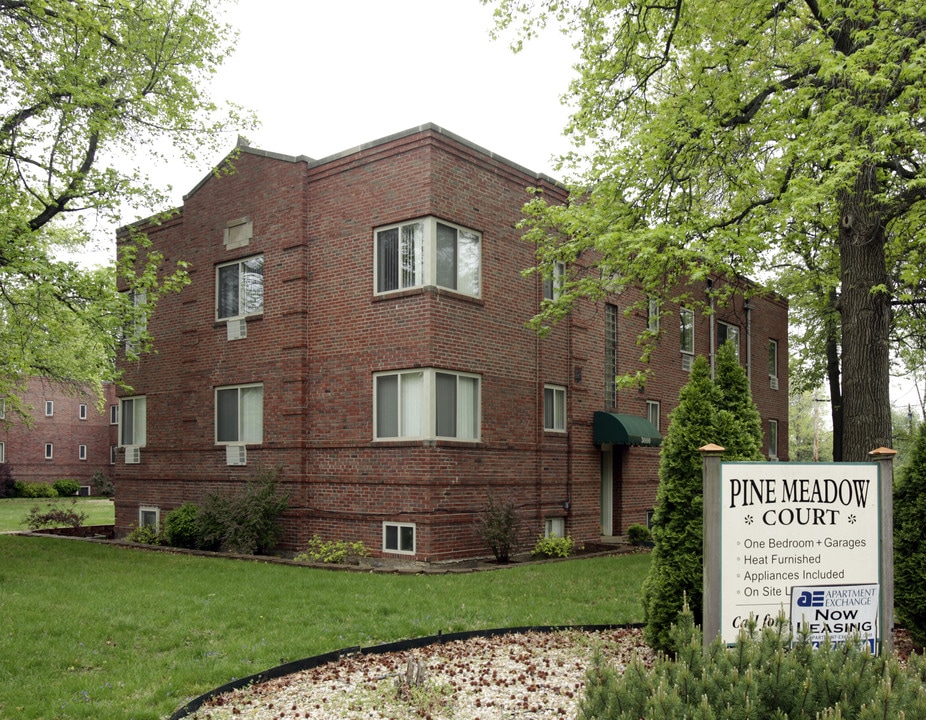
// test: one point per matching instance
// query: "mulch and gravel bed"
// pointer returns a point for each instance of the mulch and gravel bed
(523, 676)
(529, 675)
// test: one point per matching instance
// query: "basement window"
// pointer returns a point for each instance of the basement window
(399, 538)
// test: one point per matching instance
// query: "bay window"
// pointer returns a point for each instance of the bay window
(428, 252)
(426, 403)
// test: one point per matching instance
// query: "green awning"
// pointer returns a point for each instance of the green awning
(618, 429)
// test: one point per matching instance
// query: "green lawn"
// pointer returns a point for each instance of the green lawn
(104, 632)
(99, 511)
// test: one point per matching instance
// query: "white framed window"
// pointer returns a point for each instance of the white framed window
(554, 527)
(113, 454)
(773, 363)
(425, 252)
(239, 414)
(773, 439)
(554, 408)
(81, 452)
(139, 322)
(652, 315)
(82, 411)
(610, 356)
(729, 333)
(49, 451)
(2, 452)
(2, 408)
(238, 233)
(239, 288)
(686, 331)
(652, 413)
(149, 516)
(426, 403)
(399, 538)
(113, 414)
(553, 284)
(133, 421)
(49, 408)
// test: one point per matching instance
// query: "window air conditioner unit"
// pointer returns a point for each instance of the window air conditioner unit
(687, 361)
(132, 454)
(236, 455)
(773, 383)
(237, 329)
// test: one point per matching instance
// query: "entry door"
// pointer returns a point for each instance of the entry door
(607, 490)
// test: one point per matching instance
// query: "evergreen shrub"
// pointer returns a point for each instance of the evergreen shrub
(760, 677)
(638, 534)
(910, 543)
(716, 410)
(180, 528)
(66, 487)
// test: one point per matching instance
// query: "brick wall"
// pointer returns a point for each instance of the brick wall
(324, 334)
(24, 442)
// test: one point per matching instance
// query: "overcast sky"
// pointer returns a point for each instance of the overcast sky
(324, 77)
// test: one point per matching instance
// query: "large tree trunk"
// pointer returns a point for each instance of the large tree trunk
(831, 329)
(865, 309)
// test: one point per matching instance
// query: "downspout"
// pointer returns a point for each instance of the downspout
(572, 381)
(538, 407)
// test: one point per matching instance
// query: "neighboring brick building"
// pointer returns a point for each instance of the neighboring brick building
(69, 437)
(359, 323)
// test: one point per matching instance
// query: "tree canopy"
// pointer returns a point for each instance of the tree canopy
(92, 94)
(748, 137)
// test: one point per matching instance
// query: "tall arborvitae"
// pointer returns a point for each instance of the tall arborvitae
(719, 411)
(910, 543)
(738, 423)
(676, 568)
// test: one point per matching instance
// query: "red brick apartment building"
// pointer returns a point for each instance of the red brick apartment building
(67, 435)
(359, 323)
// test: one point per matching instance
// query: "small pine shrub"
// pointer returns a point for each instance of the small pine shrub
(247, 522)
(7, 484)
(500, 528)
(554, 546)
(66, 487)
(761, 676)
(180, 527)
(53, 517)
(910, 543)
(35, 490)
(146, 535)
(104, 486)
(639, 534)
(332, 551)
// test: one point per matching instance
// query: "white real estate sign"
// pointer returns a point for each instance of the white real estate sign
(793, 524)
